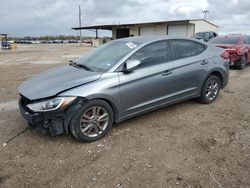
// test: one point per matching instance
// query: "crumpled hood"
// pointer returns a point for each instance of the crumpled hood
(56, 80)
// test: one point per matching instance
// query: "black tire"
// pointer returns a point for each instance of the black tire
(241, 63)
(77, 127)
(205, 97)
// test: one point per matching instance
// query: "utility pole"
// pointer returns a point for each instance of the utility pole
(80, 24)
(205, 12)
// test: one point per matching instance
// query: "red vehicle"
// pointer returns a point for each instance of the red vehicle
(238, 47)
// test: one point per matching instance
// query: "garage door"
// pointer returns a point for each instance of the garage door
(147, 31)
(180, 30)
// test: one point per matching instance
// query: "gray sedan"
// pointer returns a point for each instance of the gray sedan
(122, 79)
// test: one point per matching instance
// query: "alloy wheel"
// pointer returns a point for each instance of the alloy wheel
(94, 121)
(212, 89)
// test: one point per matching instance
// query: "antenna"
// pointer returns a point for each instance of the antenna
(80, 24)
(205, 12)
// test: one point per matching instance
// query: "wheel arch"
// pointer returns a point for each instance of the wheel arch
(203, 96)
(111, 104)
(219, 75)
(84, 100)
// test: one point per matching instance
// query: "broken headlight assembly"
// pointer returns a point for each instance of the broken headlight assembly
(51, 104)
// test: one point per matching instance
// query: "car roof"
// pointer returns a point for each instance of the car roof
(146, 39)
(232, 36)
(206, 32)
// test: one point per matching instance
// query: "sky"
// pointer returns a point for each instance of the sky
(21, 18)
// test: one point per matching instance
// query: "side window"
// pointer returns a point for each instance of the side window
(200, 48)
(186, 48)
(154, 53)
(247, 40)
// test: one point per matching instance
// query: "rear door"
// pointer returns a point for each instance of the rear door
(190, 67)
(151, 84)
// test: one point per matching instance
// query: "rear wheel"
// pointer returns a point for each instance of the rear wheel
(210, 90)
(241, 63)
(92, 121)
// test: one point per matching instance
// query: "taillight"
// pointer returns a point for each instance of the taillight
(237, 51)
(225, 55)
(231, 50)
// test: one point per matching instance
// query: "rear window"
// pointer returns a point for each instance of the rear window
(200, 48)
(202, 35)
(224, 40)
(186, 48)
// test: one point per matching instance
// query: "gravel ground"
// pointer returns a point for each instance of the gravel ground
(184, 145)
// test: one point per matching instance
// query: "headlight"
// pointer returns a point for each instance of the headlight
(51, 104)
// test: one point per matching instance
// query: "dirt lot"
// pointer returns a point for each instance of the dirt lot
(184, 145)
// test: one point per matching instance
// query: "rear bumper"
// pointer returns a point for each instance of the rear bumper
(57, 122)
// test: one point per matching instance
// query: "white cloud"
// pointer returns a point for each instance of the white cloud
(54, 17)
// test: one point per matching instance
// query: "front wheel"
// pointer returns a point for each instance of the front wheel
(210, 90)
(241, 63)
(92, 121)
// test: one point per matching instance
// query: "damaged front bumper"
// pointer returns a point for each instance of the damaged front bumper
(57, 122)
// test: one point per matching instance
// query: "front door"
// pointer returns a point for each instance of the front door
(151, 84)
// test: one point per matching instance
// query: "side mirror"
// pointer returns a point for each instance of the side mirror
(131, 64)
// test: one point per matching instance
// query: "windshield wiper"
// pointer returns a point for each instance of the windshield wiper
(81, 66)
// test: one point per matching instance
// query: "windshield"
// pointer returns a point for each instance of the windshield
(202, 35)
(225, 40)
(105, 56)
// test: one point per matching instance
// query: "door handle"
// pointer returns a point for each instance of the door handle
(204, 62)
(167, 72)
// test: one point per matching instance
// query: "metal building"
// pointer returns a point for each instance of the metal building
(179, 27)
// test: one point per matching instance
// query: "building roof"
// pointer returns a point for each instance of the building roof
(146, 39)
(109, 27)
